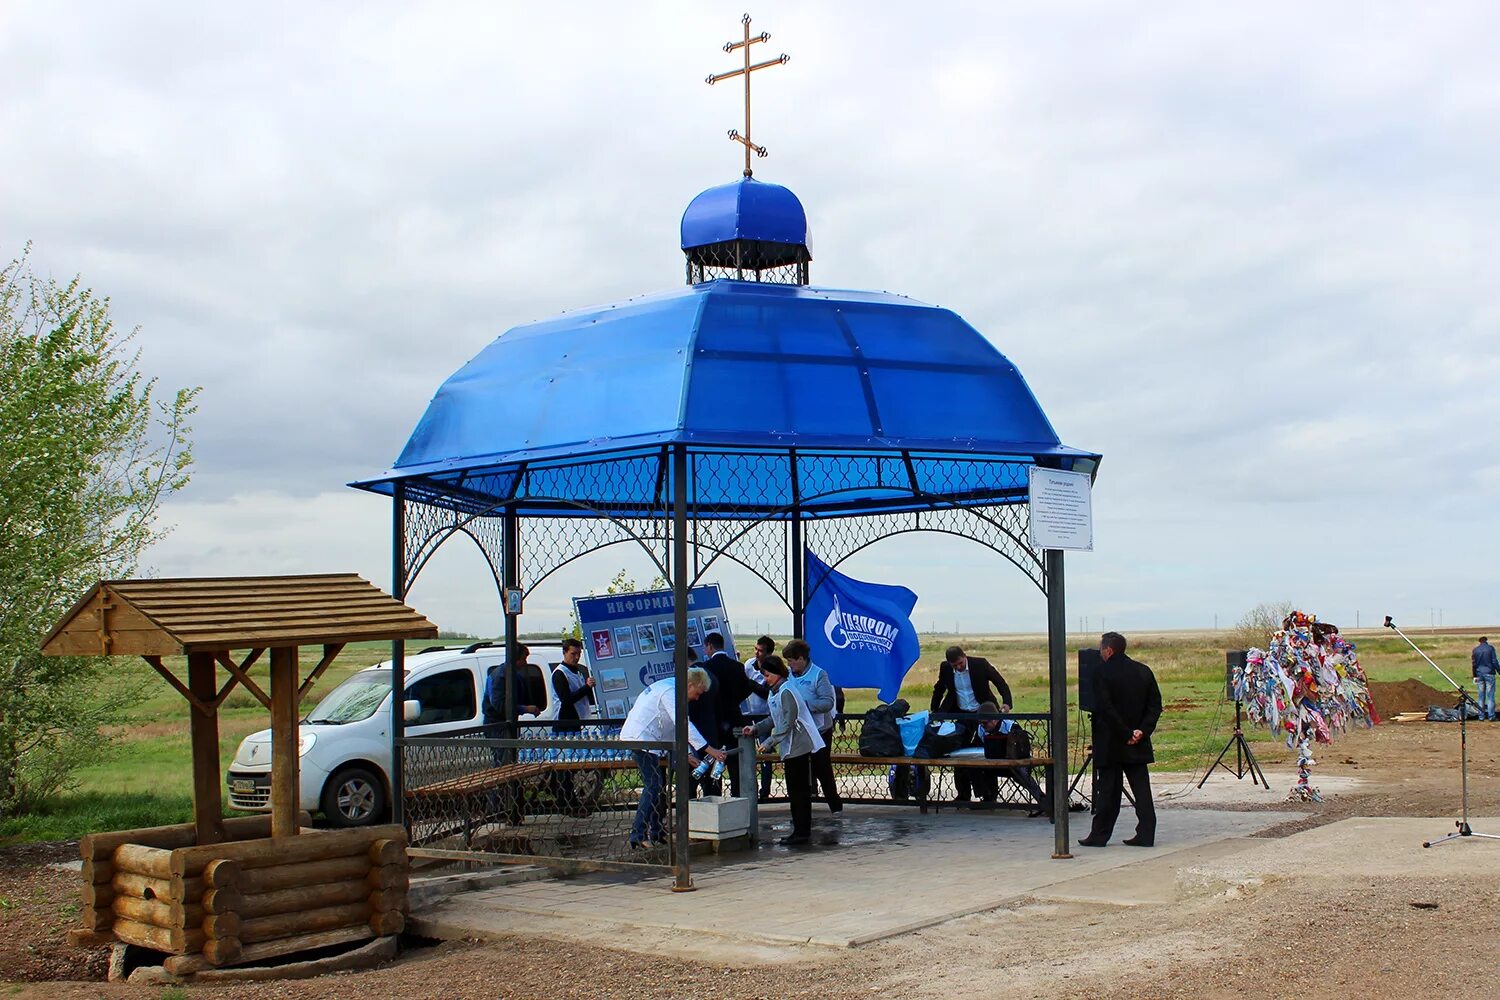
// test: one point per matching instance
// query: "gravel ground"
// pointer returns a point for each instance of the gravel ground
(1307, 935)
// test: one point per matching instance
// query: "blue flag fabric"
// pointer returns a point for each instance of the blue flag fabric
(861, 633)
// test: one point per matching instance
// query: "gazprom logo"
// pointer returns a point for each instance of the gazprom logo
(859, 631)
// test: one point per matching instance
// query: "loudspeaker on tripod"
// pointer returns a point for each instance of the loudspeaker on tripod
(1089, 665)
(1234, 660)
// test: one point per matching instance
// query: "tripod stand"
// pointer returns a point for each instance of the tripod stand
(1087, 767)
(1244, 758)
(1464, 701)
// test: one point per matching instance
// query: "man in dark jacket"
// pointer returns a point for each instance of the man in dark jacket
(1127, 705)
(730, 688)
(1485, 669)
(966, 682)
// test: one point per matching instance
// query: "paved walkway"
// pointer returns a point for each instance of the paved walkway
(878, 872)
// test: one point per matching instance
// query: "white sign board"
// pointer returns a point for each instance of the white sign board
(1062, 512)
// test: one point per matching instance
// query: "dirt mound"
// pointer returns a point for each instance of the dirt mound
(1411, 695)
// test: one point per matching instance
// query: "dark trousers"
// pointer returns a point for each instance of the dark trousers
(799, 791)
(822, 773)
(987, 784)
(933, 746)
(1109, 786)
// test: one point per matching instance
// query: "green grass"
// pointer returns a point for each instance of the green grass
(146, 780)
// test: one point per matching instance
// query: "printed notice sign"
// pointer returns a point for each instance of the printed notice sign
(1062, 513)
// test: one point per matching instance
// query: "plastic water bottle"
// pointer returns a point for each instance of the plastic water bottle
(718, 770)
(703, 768)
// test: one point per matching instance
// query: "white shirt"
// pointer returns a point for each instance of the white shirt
(653, 718)
(755, 704)
(963, 686)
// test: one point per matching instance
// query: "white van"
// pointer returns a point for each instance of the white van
(345, 746)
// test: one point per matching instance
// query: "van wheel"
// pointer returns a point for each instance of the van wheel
(354, 796)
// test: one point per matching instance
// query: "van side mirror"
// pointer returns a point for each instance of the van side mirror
(411, 709)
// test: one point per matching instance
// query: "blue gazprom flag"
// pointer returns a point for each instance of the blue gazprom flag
(861, 633)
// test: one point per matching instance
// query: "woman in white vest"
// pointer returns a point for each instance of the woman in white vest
(813, 684)
(791, 731)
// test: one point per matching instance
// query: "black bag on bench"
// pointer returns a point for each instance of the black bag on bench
(880, 736)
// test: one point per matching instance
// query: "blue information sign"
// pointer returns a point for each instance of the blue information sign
(631, 639)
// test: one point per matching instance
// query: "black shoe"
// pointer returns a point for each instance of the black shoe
(1035, 813)
(795, 840)
(1137, 842)
(836, 809)
(1090, 842)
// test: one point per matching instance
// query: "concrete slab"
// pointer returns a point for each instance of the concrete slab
(877, 873)
(1222, 788)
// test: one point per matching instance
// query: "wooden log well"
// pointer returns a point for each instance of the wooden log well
(241, 899)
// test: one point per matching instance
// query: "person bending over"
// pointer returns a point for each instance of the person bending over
(653, 719)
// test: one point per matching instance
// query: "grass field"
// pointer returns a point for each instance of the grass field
(146, 779)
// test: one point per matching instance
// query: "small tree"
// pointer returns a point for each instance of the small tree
(87, 456)
(1255, 628)
(622, 583)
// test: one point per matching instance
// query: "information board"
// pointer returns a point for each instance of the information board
(631, 640)
(1062, 512)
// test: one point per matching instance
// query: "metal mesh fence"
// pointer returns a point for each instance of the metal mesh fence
(560, 794)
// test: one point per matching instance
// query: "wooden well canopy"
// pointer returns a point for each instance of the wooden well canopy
(204, 619)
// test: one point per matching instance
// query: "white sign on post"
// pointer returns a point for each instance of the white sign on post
(1062, 512)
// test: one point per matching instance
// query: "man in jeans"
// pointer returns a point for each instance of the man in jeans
(1485, 669)
(653, 719)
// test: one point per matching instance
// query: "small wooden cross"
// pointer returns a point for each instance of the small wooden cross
(745, 71)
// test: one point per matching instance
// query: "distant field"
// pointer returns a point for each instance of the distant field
(146, 780)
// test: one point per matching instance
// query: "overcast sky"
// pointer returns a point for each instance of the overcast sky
(1248, 252)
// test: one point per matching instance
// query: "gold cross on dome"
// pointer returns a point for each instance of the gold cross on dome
(745, 71)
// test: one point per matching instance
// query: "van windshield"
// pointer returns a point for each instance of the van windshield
(355, 699)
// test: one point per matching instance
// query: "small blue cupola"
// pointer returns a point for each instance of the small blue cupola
(748, 230)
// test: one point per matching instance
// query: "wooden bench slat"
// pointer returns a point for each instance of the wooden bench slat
(493, 777)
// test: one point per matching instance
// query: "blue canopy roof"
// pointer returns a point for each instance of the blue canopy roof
(740, 366)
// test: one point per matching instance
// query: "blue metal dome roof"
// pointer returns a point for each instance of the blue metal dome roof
(747, 209)
(733, 365)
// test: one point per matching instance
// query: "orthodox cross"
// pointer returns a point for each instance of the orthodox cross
(745, 71)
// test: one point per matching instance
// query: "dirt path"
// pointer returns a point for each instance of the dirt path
(1306, 935)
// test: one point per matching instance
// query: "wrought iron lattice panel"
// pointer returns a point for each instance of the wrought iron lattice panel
(548, 543)
(429, 526)
(749, 260)
(1004, 529)
(760, 544)
(557, 795)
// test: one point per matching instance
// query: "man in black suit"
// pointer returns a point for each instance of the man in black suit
(964, 683)
(1127, 705)
(730, 687)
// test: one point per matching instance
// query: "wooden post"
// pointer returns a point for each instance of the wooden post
(284, 705)
(208, 789)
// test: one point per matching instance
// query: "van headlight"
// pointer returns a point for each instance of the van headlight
(305, 743)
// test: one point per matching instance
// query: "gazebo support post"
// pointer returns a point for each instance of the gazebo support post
(684, 881)
(510, 576)
(203, 728)
(398, 657)
(284, 705)
(798, 557)
(1057, 674)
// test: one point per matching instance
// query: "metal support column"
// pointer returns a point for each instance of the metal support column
(510, 576)
(798, 558)
(398, 656)
(679, 619)
(1057, 673)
